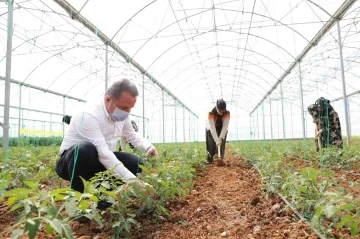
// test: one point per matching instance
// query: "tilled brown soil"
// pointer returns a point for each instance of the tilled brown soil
(226, 203)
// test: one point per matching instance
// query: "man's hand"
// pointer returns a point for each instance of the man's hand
(219, 141)
(318, 133)
(151, 151)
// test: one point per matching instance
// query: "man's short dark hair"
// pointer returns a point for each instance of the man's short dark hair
(221, 104)
(120, 86)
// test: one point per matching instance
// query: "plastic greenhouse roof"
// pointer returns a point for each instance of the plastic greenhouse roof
(198, 50)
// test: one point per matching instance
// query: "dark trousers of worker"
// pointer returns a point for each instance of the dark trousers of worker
(211, 147)
(88, 164)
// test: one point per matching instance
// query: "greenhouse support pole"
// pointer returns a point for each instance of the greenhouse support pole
(349, 117)
(195, 128)
(63, 125)
(50, 122)
(257, 123)
(189, 127)
(19, 123)
(253, 123)
(106, 66)
(305, 124)
(277, 121)
(6, 125)
(163, 116)
(184, 123)
(343, 85)
(271, 124)
(282, 109)
(301, 102)
(263, 116)
(237, 128)
(291, 120)
(175, 125)
(22, 117)
(143, 103)
(251, 133)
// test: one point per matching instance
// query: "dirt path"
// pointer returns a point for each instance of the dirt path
(226, 203)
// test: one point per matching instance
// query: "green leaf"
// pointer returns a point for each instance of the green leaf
(110, 193)
(61, 192)
(20, 217)
(55, 224)
(50, 211)
(94, 198)
(346, 207)
(83, 205)
(116, 224)
(86, 195)
(161, 209)
(310, 173)
(27, 207)
(150, 189)
(16, 206)
(15, 234)
(49, 229)
(353, 228)
(303, 189)
(70, 208)
(11, 201)
(67, 231)
(32, 226)
(32, 185)
(127, 227)
(19, 193)
(98, 219)
(106, 184)
(344, 220)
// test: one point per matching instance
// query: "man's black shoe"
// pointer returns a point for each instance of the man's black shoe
(79, 217)
(103, 205)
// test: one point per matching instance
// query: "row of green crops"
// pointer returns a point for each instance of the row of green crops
(34, 193)
(306, 178)
(34, 141)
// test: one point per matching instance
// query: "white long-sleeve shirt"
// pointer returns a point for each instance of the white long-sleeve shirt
(95, 125)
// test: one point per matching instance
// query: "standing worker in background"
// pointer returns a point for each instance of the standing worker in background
(216, 131)
(327, 124)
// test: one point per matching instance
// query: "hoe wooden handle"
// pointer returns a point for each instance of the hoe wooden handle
(219, 156)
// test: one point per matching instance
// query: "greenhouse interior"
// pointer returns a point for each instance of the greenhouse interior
(245, 122)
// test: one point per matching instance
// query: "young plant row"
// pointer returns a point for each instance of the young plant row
(49, 208)
(306, 178)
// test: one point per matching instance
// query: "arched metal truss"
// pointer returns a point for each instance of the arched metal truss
(192, 52)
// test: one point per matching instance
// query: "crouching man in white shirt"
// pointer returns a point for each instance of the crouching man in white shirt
(89, 144)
